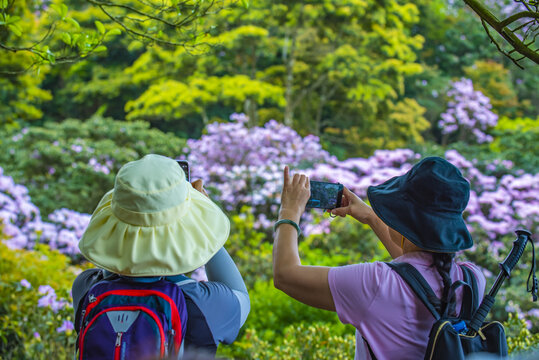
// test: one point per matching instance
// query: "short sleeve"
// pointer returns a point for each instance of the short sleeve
(217, 309)
(354, 288)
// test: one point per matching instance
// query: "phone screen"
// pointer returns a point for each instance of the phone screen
(325, 195)
(184, 164)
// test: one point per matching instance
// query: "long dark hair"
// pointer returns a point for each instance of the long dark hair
(442, 262)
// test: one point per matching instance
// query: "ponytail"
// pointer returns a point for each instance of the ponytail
(442, 262)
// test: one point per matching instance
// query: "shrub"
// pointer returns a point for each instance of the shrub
(276, 317)
(519, 337)
(304, 341)
(468, 113)
(35, 306)
(518, 140)
(24, 228)
(73, 163)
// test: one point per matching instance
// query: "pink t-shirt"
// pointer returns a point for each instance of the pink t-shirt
(383, 308)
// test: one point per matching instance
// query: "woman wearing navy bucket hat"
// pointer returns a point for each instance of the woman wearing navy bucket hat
(418, 218)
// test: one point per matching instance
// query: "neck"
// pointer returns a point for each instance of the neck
(410, 247)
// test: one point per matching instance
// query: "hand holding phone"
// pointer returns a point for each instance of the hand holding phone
(352, 205)
(325, 195)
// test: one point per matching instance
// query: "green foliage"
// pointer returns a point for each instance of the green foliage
(296, 62)
(348, 242)
(275, 317)
(315, 341)
(250, 248)
(518, 140)
(21, 96)
(64, 163)
(493, 80)
(49, 34)
(26, 330)
(173, 100)
(519, 338)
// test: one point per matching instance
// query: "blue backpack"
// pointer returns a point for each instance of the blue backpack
(124, 319)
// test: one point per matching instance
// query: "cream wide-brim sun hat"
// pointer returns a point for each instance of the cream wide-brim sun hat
(153, 223)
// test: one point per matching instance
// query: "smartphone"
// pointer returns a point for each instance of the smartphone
(184, 164)
(325, 195)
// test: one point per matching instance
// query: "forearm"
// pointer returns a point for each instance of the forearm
(285, 246)
(308, 284)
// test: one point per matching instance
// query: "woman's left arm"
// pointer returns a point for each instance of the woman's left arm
(308, 284)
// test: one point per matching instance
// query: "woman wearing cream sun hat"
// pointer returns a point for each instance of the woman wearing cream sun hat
(156, 224)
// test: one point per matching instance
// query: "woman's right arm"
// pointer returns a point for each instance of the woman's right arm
(221, 268)
(352, 205)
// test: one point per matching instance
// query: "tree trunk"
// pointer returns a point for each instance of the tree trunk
(289, 59)
(250, 108)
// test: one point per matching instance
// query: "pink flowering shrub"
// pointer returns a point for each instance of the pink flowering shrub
(23, 226)
(468, 113)
(243, 166)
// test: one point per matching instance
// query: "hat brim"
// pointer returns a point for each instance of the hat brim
(428, 229)
(177, 247)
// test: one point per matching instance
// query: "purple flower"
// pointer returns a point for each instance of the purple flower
(46, 289)
(76, 148)
(468, 112)
(25, 283)
(66, 327)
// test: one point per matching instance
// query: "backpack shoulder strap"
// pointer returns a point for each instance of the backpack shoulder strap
(417, 282)
(469, 303)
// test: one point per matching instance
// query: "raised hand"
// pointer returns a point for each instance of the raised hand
(295, 194)
(352, 205)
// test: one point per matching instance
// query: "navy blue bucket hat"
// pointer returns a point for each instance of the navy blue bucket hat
(425, 205)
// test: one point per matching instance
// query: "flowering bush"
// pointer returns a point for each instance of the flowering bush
(244, 167)
(36, 316)
(468, 113)
(24, 228)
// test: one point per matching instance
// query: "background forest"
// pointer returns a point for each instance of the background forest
(350, 91)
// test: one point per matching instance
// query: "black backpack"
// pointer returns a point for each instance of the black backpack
(450, 337)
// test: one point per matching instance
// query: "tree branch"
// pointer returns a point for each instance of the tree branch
(502, 29)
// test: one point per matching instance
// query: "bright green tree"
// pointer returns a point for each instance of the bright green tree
(314, 65)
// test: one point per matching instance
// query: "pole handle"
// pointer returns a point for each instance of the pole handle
(516, 252)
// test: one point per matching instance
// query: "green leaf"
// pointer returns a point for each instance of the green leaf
(73, 22)
(15, 29)
(57, 9)
(100, 27)
(245, 3)
(66, 38)
(114, 31)
(3, 4)
(51, 57)
(12, 19)
(100, 48)
(63, 10)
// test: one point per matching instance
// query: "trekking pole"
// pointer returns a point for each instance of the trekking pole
(523, 236)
